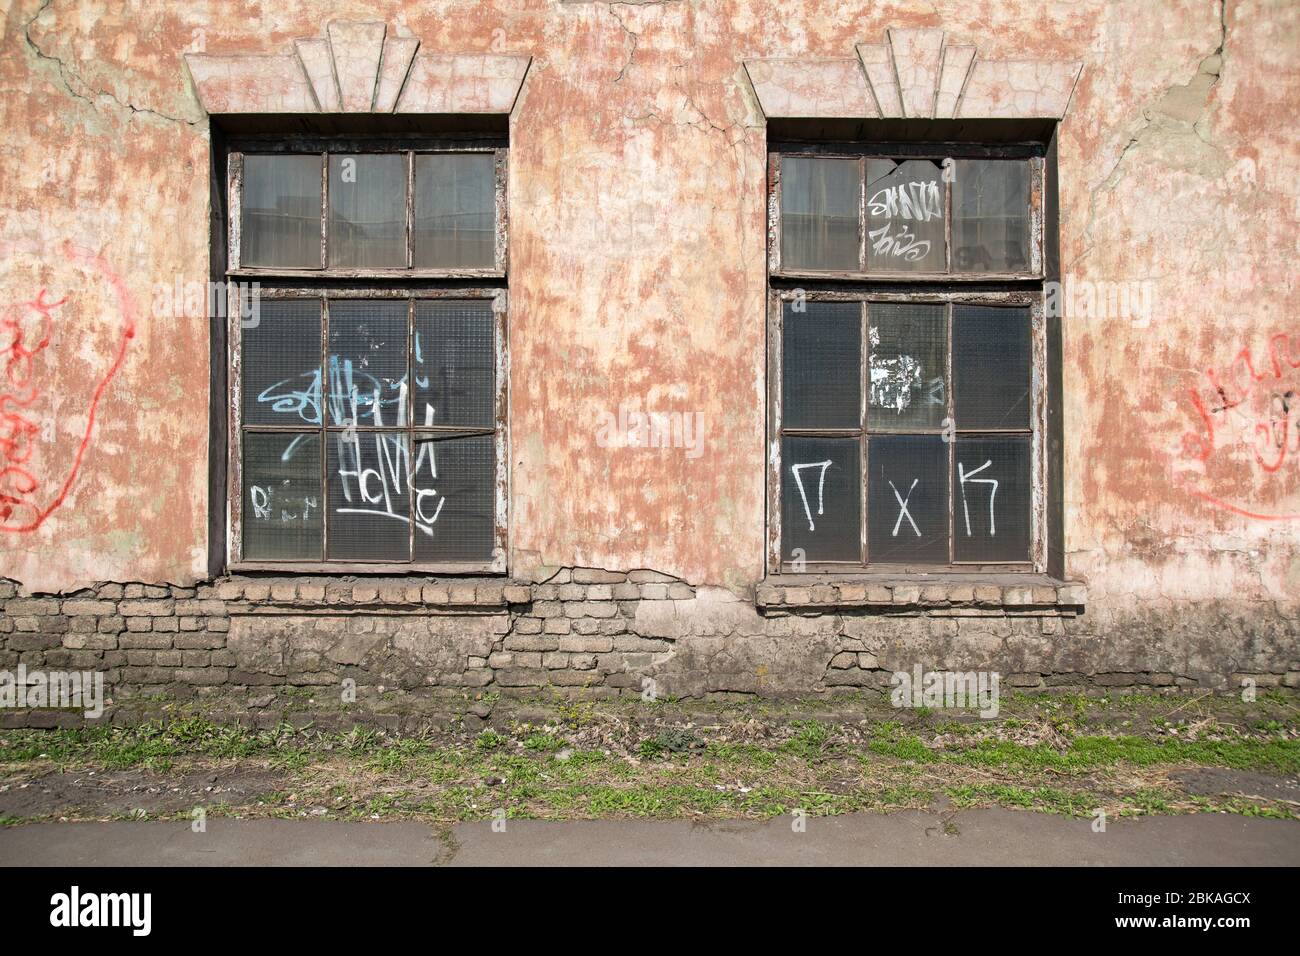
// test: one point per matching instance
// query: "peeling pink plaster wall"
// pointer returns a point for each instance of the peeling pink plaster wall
(637, 272)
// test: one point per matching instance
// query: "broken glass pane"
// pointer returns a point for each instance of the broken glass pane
(905, 219)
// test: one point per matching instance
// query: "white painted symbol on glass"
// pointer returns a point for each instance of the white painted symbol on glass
(902, 508)
(821, 485)
(964, 476)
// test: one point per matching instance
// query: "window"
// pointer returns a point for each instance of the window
(906, 347)
(368, 385)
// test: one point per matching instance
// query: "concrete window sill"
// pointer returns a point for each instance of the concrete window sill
(1001, 592)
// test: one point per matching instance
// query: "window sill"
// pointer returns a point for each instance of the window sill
(261, 595)
(1004, 592)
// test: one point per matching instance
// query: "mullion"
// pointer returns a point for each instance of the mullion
(324, 426)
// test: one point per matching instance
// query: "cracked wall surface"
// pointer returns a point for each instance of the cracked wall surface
(638, 224)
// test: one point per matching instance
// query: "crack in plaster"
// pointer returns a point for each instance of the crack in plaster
(1157, 120)
(65, 72)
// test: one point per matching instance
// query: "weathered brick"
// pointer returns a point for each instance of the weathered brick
(147, 608)
(147, 640)
(518, 594)
(229, 590)
(32, 607)
(87, 606)
(530, 642)
(557, 625)
(257, 591)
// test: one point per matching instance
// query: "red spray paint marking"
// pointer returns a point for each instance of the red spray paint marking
(1282, 359)
(24, 483)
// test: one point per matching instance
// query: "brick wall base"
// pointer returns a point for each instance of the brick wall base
(595, 633)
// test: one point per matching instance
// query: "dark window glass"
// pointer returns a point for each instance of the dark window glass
(282, 497)
(991, 499)
(990, 218)
(821, 380)
(281, 205)
(455, 482)
(907, 499)
(455, 211)
(367, 362)
(820, 499)
(819, 213)
(454, 363)
(367, 211)
(280, 368)
(908, 359)
(905, 217)
(369, 496)
(991, 367)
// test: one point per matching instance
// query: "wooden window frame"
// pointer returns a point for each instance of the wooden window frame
(397, 284)
(327, 148)
(1033, 154)
(1024, 290)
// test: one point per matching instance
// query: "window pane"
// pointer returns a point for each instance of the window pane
(455, 211)
(280, 365)
(820, 499)
(367, 203)
(907, 499)
(992, 499)
(990, 367)
(369, 496)
(821, 371)
(455, 363)
(281, 212)
(282, 488)
(990, 220)
(819, 213)
(908, 357)
(367, 362)
(455, 482)
(905, 223)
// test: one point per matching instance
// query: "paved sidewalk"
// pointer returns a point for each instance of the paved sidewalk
(975, 837)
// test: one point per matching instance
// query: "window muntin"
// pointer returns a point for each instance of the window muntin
(881, 214)
(367, 418)
(343, 212)
(945, 438)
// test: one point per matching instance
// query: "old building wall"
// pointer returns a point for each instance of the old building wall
(637, 209)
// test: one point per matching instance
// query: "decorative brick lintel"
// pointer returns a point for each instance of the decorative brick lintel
(810, 592)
